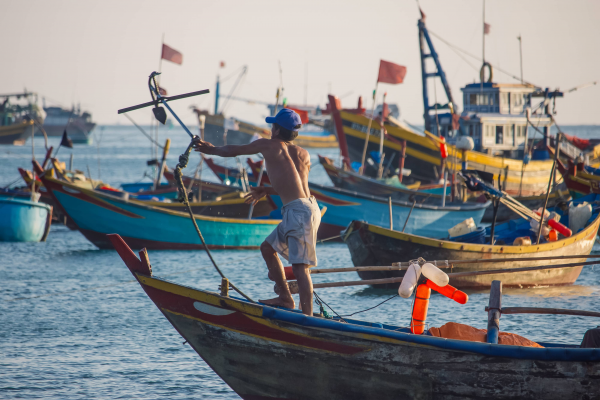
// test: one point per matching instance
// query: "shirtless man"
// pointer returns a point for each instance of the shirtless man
(295, 237)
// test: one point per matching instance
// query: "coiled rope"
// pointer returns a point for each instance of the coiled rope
(183, 197)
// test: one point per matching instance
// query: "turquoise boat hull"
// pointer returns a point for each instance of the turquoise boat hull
(344, 206)
(23, 220)
(97, 215)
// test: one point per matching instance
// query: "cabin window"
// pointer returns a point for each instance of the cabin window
(517, 102)
(473, 99)
(499, 134)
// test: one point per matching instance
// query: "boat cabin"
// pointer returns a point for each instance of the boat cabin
(494, 116)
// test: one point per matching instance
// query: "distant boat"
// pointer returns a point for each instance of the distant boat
(19, 113)
(23, 220)
(78, 125)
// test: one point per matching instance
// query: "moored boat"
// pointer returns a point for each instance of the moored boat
(372, 245)
(263, 352)
(141, 225)
(344, 206)
(23, 220)
(18, 117)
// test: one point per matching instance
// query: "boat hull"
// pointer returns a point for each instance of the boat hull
(432, 221)
(267, 353)
(97, 215)
(371, 245)
(424, 160)
(16, 134)
(23, 220)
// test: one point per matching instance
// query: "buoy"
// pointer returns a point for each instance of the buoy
(435, 274)
(289, 273)
(409, 281)
(449, 291)
(419, 314)
(443, 148)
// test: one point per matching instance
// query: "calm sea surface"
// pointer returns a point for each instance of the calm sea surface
(74, 325)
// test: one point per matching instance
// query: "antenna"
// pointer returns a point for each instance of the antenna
(521, 57)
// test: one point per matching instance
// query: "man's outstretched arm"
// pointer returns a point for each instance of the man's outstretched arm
(230, 150)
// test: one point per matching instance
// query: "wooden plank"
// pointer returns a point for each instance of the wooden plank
(495, 305)
(538, 310)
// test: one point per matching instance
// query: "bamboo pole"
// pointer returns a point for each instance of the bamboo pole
(537, 310)
(451, 275)
(557, 151)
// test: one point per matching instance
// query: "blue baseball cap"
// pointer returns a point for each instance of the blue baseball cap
(286, 118)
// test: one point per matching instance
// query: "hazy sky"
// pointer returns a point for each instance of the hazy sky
(100, 53)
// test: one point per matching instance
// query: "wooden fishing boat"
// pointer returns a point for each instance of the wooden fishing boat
(214, 133)
(97, 214)
(372, 245)
(432, 193)
(24, 220)
(263, 352)
(344, 206)
(16, 134)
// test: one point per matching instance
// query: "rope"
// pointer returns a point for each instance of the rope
(319, 299)
(143, 131)
(183, 161)
(358, 312)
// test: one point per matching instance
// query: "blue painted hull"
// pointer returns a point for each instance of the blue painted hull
(425, 220)
(97, 215)
(22, 220)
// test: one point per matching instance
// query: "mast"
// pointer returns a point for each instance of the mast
(217, 96)
(425, 44)
(483, 35)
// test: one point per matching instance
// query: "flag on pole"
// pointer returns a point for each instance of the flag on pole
(390, 72)
(65, 141)
(486, 28)
(171, 54)
(162, 91)
(422, 14)
(302, 113)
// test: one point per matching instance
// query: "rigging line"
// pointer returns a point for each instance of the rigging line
(323, 301)
(183, 160)
(479, 59)
(143, 131)
(234, 73)
(358, 312)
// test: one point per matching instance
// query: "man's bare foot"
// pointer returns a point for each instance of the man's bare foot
(278, 301)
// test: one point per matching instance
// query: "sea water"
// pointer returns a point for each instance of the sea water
(73, 324)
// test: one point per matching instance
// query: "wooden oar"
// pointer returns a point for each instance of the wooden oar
(451, 275)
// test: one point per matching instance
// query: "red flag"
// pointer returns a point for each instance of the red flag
(171, 54)
(162, 91)
(486, 28)
(303, 114)
(222, 64)
(422, 14)
(390, 72)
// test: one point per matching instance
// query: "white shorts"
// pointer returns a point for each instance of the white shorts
(295, 238)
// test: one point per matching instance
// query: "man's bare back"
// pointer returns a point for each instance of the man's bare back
(288, 165)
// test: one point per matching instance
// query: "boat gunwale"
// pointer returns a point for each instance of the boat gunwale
(346, 192)
(14, 200)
